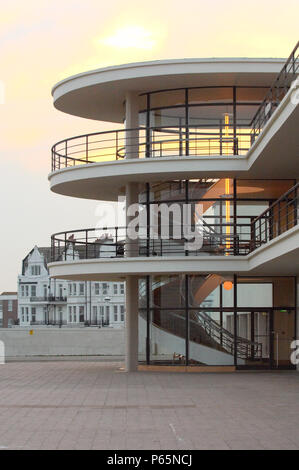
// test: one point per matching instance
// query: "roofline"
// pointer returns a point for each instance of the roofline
(172, 62)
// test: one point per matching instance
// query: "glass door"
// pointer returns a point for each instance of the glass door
(253, 338)
(283, 333)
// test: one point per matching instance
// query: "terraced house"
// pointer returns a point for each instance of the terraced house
(220, 138)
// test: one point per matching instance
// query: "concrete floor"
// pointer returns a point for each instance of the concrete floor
(94, 405)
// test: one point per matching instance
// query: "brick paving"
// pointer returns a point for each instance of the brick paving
(95, 405)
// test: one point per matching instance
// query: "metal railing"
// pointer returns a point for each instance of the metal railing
(115, 242)
(281, 216)
(218, 239)
(49, 298)
(150, 142)
(276, 93)
(244, 347)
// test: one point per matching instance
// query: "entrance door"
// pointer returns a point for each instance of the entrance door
(253, 341)
(283, 333)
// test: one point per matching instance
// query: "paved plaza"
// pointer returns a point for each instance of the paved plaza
(96, 405)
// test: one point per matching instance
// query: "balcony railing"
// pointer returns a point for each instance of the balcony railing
(147, 143)
(277, 92)
(217, 239)
(114, 242)
(281, 216)
(48, 299)
(151, 142)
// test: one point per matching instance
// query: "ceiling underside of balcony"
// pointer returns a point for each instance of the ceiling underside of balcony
(100, 94)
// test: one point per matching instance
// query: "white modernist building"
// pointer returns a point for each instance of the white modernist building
(220, 138)
(45, 301)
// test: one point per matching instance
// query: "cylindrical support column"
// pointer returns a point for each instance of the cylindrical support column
(132, 125)
(131, 247)
(131, 323)
(132, 193)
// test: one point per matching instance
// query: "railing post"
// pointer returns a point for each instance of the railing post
(279, 222)
(116, 240)
(116, 145)
(86, 244)
(65, 151)
(187, 120)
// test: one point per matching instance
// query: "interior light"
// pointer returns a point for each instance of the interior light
(227, 285)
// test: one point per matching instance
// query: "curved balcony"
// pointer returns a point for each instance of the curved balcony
(153, 142)
(116, 242)
(222, 240)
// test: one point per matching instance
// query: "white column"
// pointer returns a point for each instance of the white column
(132, 122)
(132, 191)
(131, 250)
(131, 323)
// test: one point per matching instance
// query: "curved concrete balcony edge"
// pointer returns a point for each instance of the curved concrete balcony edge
(105, 180)
(277, 257)
(105, 269)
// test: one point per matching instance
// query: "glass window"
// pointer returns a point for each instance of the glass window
(115, 289)
(22, 291)
(9, 305)
(105, 287)
(122, 289)
(33, 314)
(168, 291)
(167, 98)
(33, 291)
(107, 313)
(122, 313)
(251, 94)
(97, 288)
(262, 189)
(27, 290)
(70, 289)
(75, 289)
(211, 340)
(94, 312)
(210, 95)
(35, 270)
(81, 289)
(81, 313)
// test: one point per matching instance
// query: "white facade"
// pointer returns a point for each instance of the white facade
(211, 130)
(46, 301)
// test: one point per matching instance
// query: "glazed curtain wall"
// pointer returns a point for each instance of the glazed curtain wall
(207, 119)
(216, 320)
(224, 207)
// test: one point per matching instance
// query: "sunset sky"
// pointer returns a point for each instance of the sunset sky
(44, 41)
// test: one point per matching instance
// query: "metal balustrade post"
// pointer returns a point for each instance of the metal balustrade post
(116, 240)
(187, 120)
(86, 245)
(116, 145)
